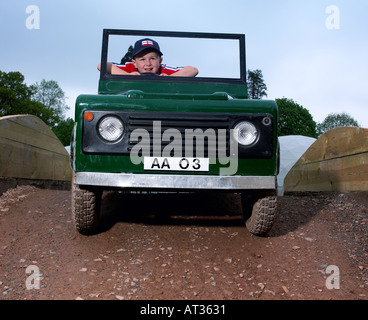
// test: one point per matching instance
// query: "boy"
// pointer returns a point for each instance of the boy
(147, 58)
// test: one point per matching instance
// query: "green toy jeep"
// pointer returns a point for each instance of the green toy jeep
(175, 134)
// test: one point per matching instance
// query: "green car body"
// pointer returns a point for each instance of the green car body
(161, 119)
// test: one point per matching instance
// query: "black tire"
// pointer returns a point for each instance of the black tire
(85, 208)
(259, 213)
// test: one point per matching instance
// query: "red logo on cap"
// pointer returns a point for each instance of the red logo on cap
(147, 43)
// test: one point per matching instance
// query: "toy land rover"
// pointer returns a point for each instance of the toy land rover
(177, 134)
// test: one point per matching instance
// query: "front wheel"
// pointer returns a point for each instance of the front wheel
(259, 213)
(85, 208)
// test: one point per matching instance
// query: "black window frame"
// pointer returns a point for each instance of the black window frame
(202, 35)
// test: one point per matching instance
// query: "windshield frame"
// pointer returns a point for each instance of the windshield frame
(145, 33)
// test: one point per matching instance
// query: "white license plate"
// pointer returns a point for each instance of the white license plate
(176, 164)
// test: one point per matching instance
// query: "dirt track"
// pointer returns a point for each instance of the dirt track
(182, 247)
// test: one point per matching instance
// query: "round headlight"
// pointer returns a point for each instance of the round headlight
(245, 133)
(111, 129)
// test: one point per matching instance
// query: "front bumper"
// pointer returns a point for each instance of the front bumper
(175, 182)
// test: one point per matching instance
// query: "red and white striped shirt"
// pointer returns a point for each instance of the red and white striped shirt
(129, 67)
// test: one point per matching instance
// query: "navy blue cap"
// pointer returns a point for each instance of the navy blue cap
(146, 44)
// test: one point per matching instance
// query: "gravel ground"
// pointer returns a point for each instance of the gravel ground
(183, 247)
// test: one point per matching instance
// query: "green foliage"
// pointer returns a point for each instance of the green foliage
(17, 98)
(334, 120)
(51, 96)
(12, 86)
(294, 119)
(128, 56)
(14, 94)
(63, 131)
(45, 100)
(257, 89)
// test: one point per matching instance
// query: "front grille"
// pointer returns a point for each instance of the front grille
(182, 134)
(179, 134)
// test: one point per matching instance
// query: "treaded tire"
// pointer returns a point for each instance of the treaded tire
(85, 208)
(259, 214)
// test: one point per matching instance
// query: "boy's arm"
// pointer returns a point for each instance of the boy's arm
(113, 69)
(187, 71)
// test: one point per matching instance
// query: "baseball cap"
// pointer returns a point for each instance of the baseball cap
(146, 44)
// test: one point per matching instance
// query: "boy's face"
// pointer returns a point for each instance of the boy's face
(147, 62)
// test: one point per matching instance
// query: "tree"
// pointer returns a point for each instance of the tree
(45, 100)
(334, 120)
(63, 131)
(16, 98)
(11, 84)
(294, 119)
(256, 86)
(51, 96)
(12, 92)
(128, 56)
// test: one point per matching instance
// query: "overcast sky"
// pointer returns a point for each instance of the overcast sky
(312, 51)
